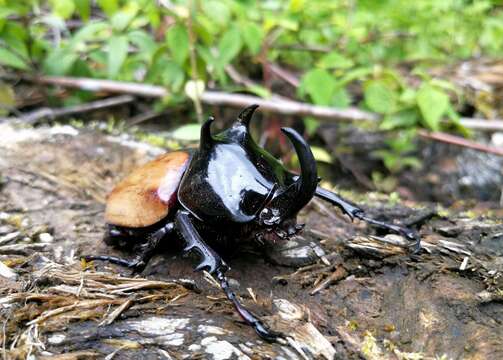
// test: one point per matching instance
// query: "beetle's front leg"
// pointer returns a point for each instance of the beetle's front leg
(214, 264)
(355, 212)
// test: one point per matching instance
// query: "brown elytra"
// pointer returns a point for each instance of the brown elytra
(146, 195)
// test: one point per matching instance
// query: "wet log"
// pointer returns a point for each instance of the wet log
(366, 297)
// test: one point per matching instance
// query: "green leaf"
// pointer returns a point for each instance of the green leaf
(9, 58)
(321, 154)
(83, 8)
(81, 68)
(63, 8)
(402, 119)
(121, 19)
(89, 32)
(117, 52)
(4, 13)
(178, 43)
(16, 44)
(341, 97)
(229, 46)
(59, 62)
(252, 36)
(188, 132)
(145, 43)
(319, 85)
(109, 7)
(297, 5)
(53, 21)
(217, 11)
(172, 75)
(261, 91)
(379, 97)
(455, 121)
(7, 98)
(360, 73)
(311, 124)
(433, 104)
(335, 60)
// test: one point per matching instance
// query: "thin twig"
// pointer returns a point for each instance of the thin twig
(482, 124)
(110, 318)
(459, 141)
(283, 106)
(334, 277)
(302, 47)
(287, 107)
(141, 118)
(239, 78)
(243, 80)
(285, 75)
(96, 85)
(51, 114)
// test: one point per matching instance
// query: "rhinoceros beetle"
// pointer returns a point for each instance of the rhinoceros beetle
(229, 186)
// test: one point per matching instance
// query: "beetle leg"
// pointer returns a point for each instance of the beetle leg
(355, 212)
(148, 249)
(146, 252)
(210, 259)
(111, 259)
(214, 264)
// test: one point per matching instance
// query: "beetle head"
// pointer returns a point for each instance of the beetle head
(232, 179)
(283, 202)
(286, 203)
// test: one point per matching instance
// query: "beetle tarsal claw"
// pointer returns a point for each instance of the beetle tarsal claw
(137, 267)
(206, 265)
(265, 333)
(212, 265)
(189, 247)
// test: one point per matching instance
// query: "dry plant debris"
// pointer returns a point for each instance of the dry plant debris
(58, 294)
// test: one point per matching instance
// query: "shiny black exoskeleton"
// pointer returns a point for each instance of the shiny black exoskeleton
(241, 191)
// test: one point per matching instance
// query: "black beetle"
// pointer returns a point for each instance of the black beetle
(229, 186)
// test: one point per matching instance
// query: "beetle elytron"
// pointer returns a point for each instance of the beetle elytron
(230, 189)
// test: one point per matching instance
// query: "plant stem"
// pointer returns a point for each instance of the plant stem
(193, 60)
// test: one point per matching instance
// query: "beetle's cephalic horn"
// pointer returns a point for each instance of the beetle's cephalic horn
(205, 139)
(302, 191)
(245, 116)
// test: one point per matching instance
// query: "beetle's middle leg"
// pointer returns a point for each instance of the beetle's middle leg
(355, 212)
(146, 251)
(214, 264)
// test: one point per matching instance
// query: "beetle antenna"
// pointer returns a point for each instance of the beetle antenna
(206, 140)
(245, 116)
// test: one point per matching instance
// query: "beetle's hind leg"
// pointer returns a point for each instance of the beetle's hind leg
(355, 212)
(146, 251)
(214, 264)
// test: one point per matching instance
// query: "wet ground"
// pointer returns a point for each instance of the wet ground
(368, 298)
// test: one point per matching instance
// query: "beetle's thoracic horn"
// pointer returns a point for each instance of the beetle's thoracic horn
(305, 186)
(245, 116)
(205, 139)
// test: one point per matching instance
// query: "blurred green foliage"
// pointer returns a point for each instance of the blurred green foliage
(332, 45)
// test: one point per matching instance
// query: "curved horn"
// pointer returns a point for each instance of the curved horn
(245, 116)
(306, 184)
(205, 139)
